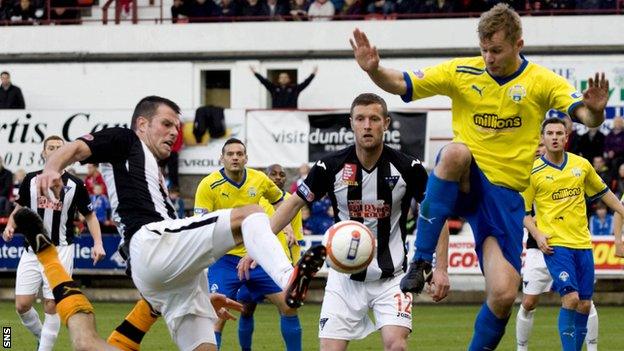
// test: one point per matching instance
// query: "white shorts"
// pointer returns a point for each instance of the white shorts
(536, 279)
(344, 313)
(30, 277)
(169, 261)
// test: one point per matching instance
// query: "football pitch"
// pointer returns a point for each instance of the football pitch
(436, 327)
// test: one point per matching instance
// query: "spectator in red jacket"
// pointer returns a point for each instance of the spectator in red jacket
(94, 177)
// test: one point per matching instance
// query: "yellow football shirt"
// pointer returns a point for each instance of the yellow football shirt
(497, 118)
(217, 191)
(557, 193)
(294, 252)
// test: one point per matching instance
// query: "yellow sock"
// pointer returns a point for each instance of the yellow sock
(72, 304)
(52, 267)
(128, 335)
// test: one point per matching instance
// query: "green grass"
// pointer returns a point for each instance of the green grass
(442, 327)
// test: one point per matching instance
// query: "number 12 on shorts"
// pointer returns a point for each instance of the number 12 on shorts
(404, 304)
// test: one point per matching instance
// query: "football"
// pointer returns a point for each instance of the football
(350, 246)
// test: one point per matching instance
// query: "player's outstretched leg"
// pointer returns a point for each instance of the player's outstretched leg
(443, 188)
(310, 263)
(129, 334)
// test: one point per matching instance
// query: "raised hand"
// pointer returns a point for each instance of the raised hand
(365, 54)
(597, 94)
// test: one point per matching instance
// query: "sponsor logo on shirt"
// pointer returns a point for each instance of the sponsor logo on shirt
(379, 209)
(493, 121)
(349, 174)
(566, 192)
(55, 205)
(306, 192)
(419, 74)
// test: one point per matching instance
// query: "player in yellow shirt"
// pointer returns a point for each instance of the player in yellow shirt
(498, 103)
(559, 184)
(291, 238)
(234, 186)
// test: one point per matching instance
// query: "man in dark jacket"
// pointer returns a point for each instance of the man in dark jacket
(10, 95)
(6, 186)
(284, 94)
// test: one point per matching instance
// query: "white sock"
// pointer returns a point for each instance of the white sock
(31, 321)
(51, 327)
(592, 329)
(263, 246)
(524, 325)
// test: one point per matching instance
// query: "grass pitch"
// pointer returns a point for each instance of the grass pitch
(436, 327)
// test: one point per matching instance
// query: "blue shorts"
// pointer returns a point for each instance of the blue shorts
(223, 279)
(572, 270)
(496, 211)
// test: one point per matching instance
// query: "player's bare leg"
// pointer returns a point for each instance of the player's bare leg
(333, 344)
(501, 286)
(450, 176)
(394, 337)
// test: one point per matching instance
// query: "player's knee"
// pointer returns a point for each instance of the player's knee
(49, 306)
(22, 307)
(248, 309)
(502, 297)
(584, 306)
(529, 303)
(570, 301)
(396, 344)
(457, 155)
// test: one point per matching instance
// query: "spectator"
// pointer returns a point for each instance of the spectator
(179, 11)
(437, 6)
(277, 9)
(299, 10)
(64, 12)
(601, 223)
(255, 8)
(382, 7)
(10, 95)
(321, 10)
(24, 13)
(201, 10)
(6, 7)
(284, 94)
(305, 216)
(614, 144)
(351, 9)
(618, 182)
(6, 190)
(18, 177)
(228, 8)
(591, 144)
(94, 177)
(178, 203)
(572, 145)
(602, 169)
(174, 158)
(320, 216)
(101, 205)
(303, 170)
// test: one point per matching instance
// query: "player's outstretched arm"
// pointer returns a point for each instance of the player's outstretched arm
(540, 238)
(9, 229)
(367, 57)
(595, 100)
(440, 284)
(614, 204)
(97, 252)
(286, 211)
(50, 178)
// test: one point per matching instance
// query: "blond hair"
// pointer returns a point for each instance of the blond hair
(500, 17)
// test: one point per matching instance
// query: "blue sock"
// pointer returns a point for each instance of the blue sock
(218, 337)
(566, 329)
(435, 208)
(488, 330)
(291, 332)
(245, 332)
(580, 329)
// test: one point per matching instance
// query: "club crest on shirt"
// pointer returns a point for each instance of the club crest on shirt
(349, 174)
(516, 93)
(251, 192)
(576, 172)
(392, 181)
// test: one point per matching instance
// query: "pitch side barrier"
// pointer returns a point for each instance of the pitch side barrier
(462, 258)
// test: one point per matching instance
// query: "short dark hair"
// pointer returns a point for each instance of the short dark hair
(366, 99)
(233, 141)
(5, 72)
(552, 120)
(147, 108)
(50, 138)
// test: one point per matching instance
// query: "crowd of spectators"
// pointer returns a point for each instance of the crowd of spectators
(32, 12)
(325, 10)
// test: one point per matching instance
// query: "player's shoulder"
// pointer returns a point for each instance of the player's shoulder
(254, 174)
(538, 165)
(335, 160)
(212, 180)
(401, 159)
(470, 65)
(577, 161)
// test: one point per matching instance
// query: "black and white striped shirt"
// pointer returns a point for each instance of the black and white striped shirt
(58, 218)
(135, 183)
(380, 198)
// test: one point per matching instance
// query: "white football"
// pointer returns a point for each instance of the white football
(350, 246)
